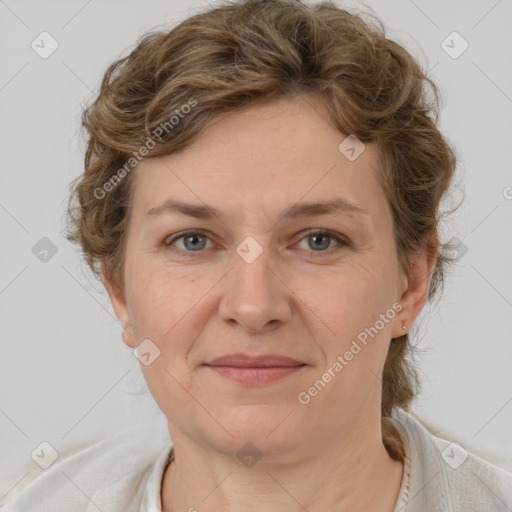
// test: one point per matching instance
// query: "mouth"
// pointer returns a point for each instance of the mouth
(254, 370)
(255, 375)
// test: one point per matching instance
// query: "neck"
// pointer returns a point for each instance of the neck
(356, 474)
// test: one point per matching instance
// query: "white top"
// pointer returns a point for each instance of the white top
(123, 473)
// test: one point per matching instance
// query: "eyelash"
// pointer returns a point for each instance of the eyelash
(340, 240)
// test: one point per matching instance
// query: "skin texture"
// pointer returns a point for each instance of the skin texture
(294, 299)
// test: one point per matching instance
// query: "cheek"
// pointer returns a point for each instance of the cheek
(165, 310)
(357, 343)
(170, 307)
(357, 293)
(162, 297)
(357, 306)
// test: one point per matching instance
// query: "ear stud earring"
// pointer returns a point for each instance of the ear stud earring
(404, 327)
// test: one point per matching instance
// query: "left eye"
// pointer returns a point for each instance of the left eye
(194, 241)
(322, 240)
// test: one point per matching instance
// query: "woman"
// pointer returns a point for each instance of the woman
(261, 200)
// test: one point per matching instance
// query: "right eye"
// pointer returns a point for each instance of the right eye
(193, 241)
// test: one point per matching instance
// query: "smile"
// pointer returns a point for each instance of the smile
(255, 375)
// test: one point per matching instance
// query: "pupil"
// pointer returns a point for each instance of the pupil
(193, 245)
(320, 244)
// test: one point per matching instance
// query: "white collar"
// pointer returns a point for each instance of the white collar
(152, 499)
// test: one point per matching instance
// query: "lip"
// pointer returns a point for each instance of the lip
(255, 370)
(247, 361)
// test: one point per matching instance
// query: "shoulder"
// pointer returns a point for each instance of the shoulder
(108, 475)
(446, 476)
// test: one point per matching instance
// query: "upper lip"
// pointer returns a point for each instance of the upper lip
(245, 360)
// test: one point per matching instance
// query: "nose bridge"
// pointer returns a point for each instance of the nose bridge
(254, 296)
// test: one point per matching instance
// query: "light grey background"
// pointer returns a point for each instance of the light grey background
(67, 378)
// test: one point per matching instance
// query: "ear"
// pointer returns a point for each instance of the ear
(415, 285)
(119, 304)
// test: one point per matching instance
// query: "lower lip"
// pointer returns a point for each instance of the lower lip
(256, 375)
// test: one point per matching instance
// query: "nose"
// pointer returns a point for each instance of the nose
(255, 295)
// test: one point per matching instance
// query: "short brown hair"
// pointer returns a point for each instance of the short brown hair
(251, 51)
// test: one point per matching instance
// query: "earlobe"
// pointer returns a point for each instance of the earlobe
(119, 304)
(128, 338)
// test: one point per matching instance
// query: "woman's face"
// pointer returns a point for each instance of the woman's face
(255, 279)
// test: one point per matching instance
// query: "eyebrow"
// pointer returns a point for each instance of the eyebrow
(298, 210)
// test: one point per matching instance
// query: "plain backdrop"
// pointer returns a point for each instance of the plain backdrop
(67, 378)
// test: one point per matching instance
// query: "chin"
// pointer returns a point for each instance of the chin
(265, 427)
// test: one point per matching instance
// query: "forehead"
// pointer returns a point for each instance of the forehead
(263, 157)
